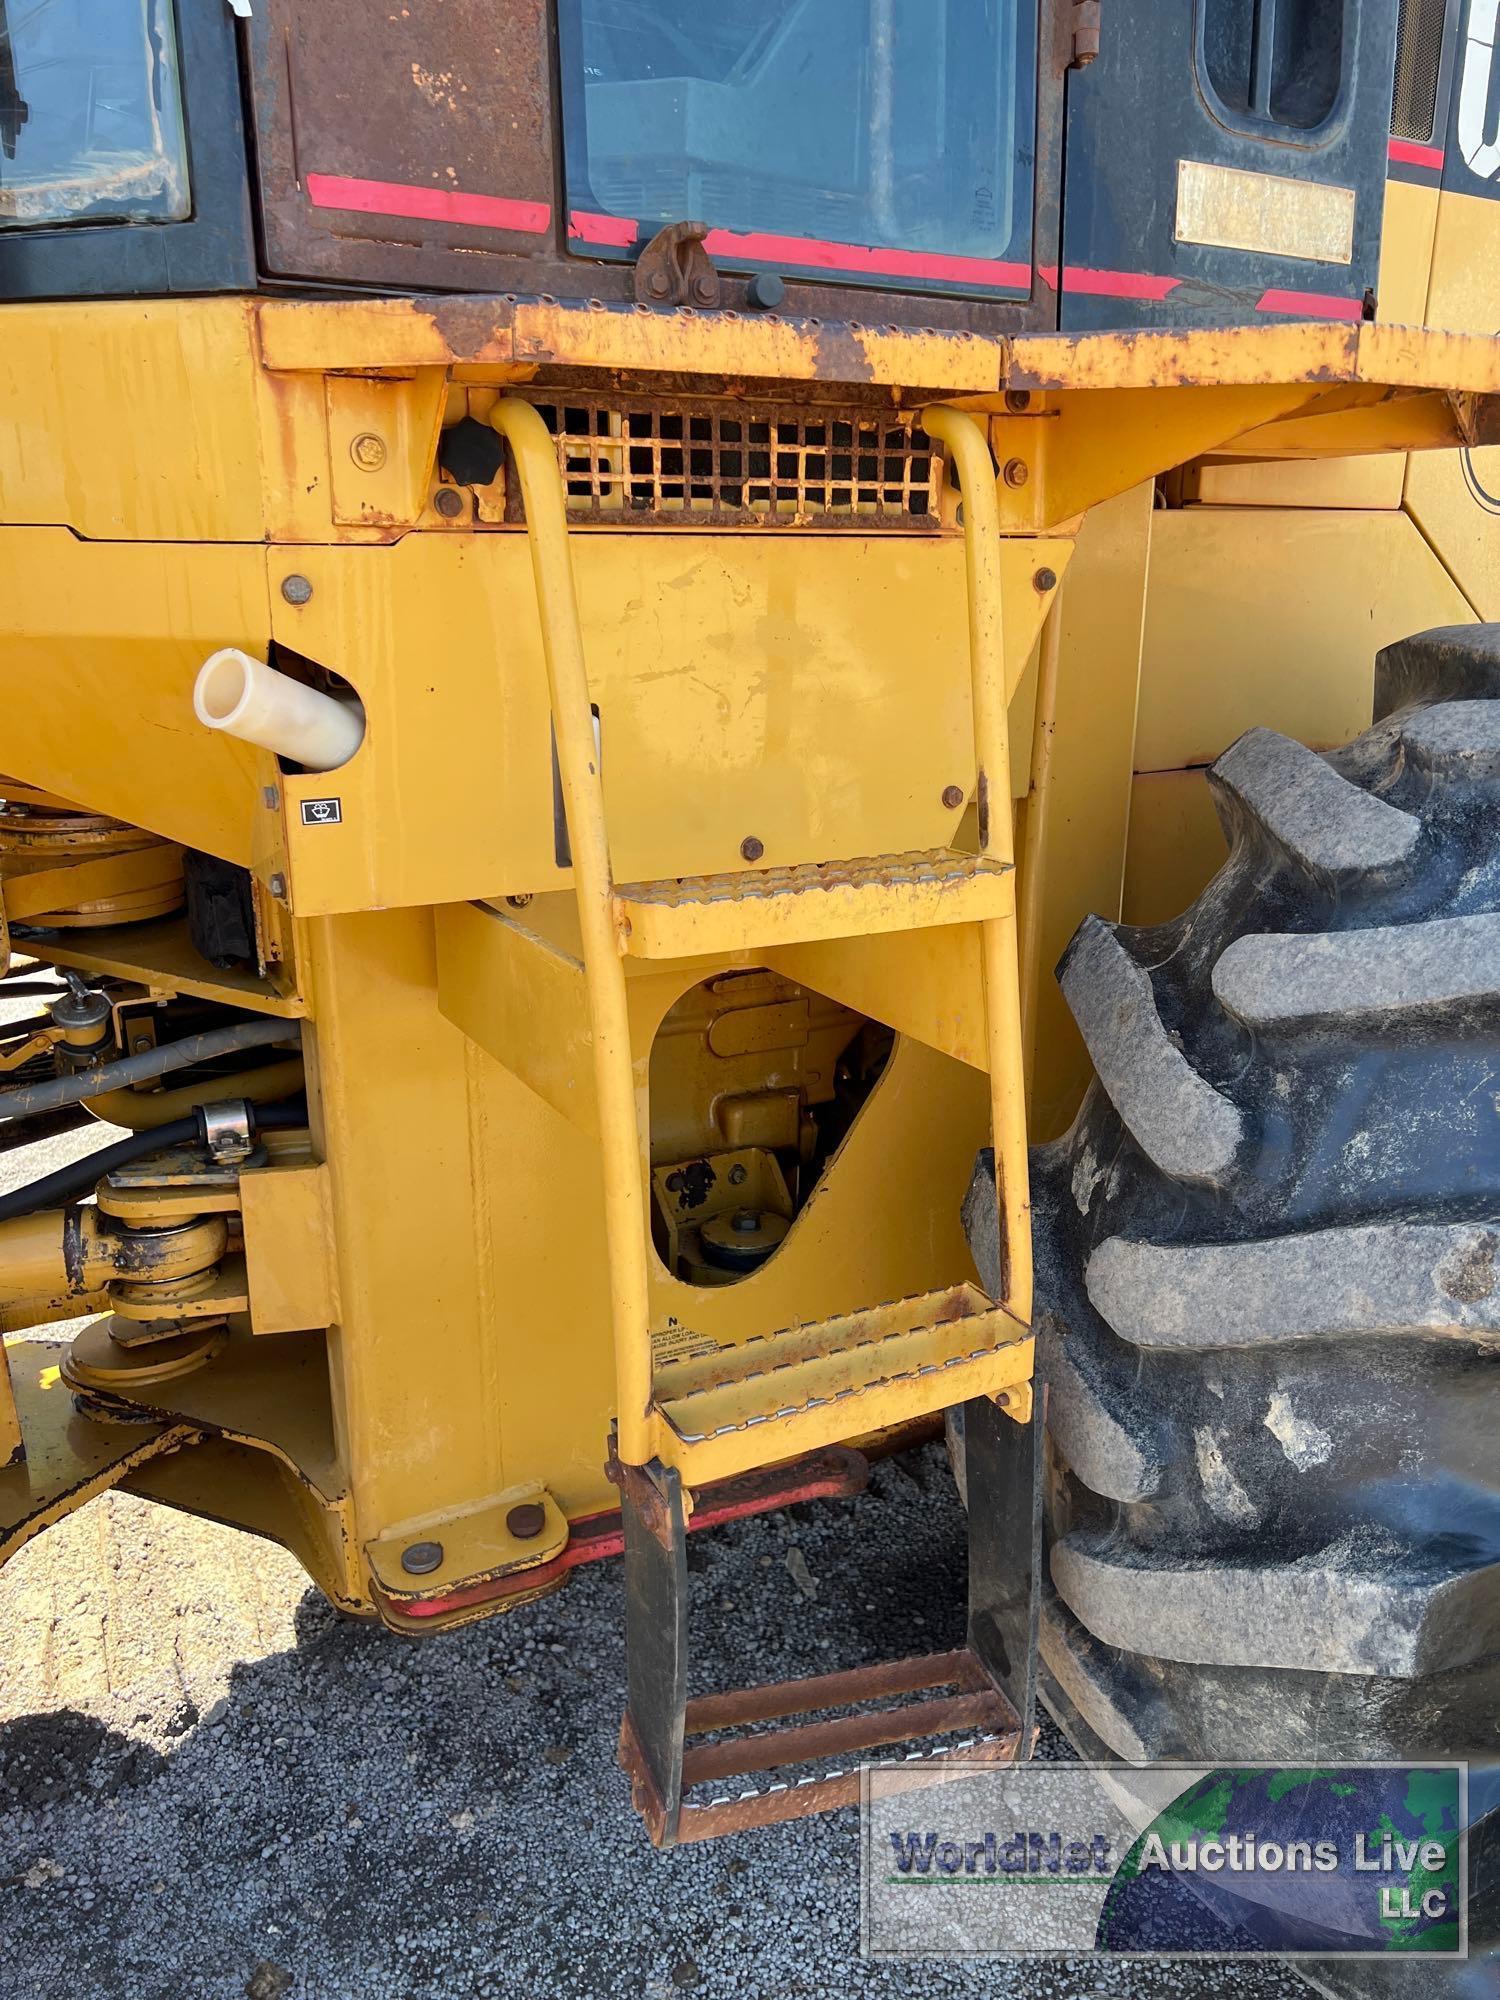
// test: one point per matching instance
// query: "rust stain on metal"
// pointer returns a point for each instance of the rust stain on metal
(974, 1705)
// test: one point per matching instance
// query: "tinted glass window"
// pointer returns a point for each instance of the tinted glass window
(810, 128)
(90, 113)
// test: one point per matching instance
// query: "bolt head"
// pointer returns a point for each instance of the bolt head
(527, 1521)
(277, 885)
(368, 451)
(705, 291)
(746, 1222)
(738, 1175)
(658, 284)
(1016, 472)
(422, 1558)
(953, 797)
(765, 291)
(1045, 579)
(752, 849)
(449, 502)
(1017, 399)
(296, 589)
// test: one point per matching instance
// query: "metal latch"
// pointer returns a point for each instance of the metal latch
(674, 269)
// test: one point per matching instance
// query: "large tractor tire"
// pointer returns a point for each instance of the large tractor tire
(1268, 1290)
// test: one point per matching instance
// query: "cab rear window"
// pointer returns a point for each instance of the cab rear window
(883, 142)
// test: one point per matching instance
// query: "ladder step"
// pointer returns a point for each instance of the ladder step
(827, 899)
(767, 1398)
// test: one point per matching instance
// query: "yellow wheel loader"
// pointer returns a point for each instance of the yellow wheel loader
(590, 595)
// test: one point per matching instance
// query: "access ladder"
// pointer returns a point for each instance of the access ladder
(684, 1422)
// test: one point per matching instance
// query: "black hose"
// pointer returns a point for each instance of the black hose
(24, 1100)
(79, 1176)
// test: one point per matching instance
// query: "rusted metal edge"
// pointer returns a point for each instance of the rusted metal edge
(981, 1708)
(519, 336)
(524, 334)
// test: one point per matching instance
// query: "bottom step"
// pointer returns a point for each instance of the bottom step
(975, 1707)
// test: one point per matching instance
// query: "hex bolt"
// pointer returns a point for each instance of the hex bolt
(448, 502)
(296, 589)
(1045, 579)
(675, 1182)
(752, 849)
(746, 1222)
(518, 902)
(1017, 400)
(421, 1558)
(953, 797)
(658, 284)
(1016, 472)
(738, 1175)
(527, 1521)
(277, 885)
(705, 289)
(368, 451)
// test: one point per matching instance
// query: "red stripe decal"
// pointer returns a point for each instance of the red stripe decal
(428, 204)
(1411, 155)
(814, 254)
(1310, 305)
(1117, 284)
(586, 227)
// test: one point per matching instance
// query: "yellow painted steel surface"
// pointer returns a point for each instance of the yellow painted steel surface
(431, 1330)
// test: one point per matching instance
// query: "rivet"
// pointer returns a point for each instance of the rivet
(953, 797)
(752, 849)
(1045, 579)
(421, 1558)
(527, 1521)
(296, 589)
(1016, 472)
(449, 502)
(368, 451)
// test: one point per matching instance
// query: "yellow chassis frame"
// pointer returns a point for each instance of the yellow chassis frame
(393, 1378)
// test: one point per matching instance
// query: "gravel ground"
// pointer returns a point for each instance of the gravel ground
(213, 1784)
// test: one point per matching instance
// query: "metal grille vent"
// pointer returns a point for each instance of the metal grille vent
(1419, 57)
(738, 464)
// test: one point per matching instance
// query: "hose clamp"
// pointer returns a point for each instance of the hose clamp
(228, 1131)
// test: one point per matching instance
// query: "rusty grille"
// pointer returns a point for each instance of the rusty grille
(738, 464)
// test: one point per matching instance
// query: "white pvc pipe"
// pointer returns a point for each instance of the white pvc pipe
(244, 697)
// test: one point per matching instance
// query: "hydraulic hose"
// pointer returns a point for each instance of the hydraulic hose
(79, 1176)
(24, 1100)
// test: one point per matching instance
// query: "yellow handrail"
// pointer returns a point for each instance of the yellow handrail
(970, 451)
(583, 796)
